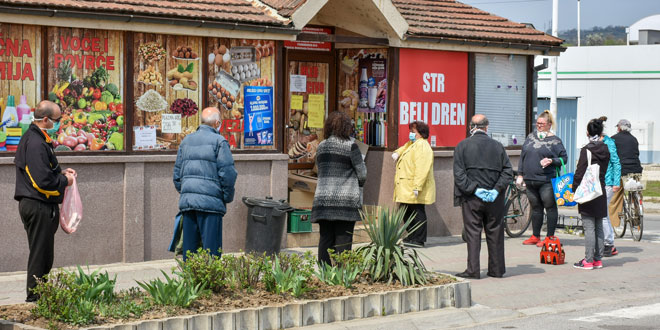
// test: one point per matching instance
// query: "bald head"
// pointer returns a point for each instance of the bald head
(46, 114)
(479, 121)
(47, 109)
(210, 116)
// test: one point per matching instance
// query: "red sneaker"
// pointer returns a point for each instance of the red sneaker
(531, 241)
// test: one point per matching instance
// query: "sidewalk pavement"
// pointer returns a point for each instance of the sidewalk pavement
(528, 288)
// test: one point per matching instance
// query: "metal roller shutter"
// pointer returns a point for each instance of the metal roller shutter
(501, 95)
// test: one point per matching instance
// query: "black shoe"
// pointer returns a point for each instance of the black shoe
(31, 299)
(607, 251)
(465, 274)
(493, 275)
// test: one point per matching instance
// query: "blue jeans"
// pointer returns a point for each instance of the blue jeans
(202, 227)
(608, 231)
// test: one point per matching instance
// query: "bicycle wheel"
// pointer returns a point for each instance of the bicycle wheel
(637, 212)
(620, 230)
(517, 218)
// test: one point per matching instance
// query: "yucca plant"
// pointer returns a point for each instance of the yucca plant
(386, 259)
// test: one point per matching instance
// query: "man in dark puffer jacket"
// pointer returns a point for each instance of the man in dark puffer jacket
(204, 175)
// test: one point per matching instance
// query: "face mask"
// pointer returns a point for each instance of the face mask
(541, 135)
(412, 136)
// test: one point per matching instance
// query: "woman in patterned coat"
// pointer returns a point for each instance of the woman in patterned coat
(338, 197)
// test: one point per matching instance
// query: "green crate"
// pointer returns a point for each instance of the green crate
(299, 222)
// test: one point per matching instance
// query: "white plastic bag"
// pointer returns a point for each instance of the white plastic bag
(72, 210)
(589, 189)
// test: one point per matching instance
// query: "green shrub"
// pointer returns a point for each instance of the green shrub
(205, 269)
(244, 271)
(62, 298)
(385, 258)
(172, 292)
(344, 271)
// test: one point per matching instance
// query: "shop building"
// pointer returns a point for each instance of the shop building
(132, 80)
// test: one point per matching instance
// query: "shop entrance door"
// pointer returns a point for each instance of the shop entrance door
(310, 95)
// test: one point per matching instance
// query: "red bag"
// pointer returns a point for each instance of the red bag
(71, 211)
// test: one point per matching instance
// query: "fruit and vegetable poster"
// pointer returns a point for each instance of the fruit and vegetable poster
(433, 89)
(234, 65)
(85, 77)
(20, 64)
(167, 72)
(259, 114)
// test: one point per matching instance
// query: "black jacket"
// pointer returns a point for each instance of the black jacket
(599, 155)
(535, 149)
(38, 174)
(628, 149)
(480, 162)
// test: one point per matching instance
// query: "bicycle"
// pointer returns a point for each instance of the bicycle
(632, 212)
(517, 218)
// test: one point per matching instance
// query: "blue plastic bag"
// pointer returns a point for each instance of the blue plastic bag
(562, 185)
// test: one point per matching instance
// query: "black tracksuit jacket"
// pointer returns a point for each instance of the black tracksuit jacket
(38, 174)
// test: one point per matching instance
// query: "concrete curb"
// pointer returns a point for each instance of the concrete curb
(307, 312)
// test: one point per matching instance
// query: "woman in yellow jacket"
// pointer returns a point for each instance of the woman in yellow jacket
(414, 186)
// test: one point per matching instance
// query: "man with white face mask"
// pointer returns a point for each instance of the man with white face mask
(40, 184)
(482, 172)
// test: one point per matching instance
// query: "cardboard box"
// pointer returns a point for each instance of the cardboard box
(301, 199)
(302, 182)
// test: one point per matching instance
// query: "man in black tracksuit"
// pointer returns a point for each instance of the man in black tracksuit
(40, 184)
(482, 172)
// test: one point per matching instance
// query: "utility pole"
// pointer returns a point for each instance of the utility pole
(578, 27)
(553, 64)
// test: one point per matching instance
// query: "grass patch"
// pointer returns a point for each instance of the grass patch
(652, 189)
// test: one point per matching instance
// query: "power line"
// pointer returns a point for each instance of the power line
(505, 1)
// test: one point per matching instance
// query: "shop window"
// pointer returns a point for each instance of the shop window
(167, 91)
(20, 80)
(240, 84)
(363, 93)
(85, 77)
(501, 95)
(307, 108)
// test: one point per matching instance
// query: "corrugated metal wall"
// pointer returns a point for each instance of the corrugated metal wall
(501, 95)
(566, 127)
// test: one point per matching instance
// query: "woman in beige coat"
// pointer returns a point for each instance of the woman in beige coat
(414, 186)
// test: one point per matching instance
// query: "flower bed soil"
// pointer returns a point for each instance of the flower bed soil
(259, 297)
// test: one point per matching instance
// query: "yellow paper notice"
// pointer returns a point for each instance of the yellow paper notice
(316, 106)
(296, 102)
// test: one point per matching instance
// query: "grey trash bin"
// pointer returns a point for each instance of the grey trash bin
(266, 219)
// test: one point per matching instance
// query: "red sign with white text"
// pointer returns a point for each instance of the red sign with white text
(311, 45)
(433, 89)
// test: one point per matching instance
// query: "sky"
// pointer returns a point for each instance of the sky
(593, 12)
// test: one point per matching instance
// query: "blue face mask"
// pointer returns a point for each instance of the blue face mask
(412, 136)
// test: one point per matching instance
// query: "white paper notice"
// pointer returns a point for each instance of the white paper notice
(171, 123)
(145, 137)
(298, 83)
